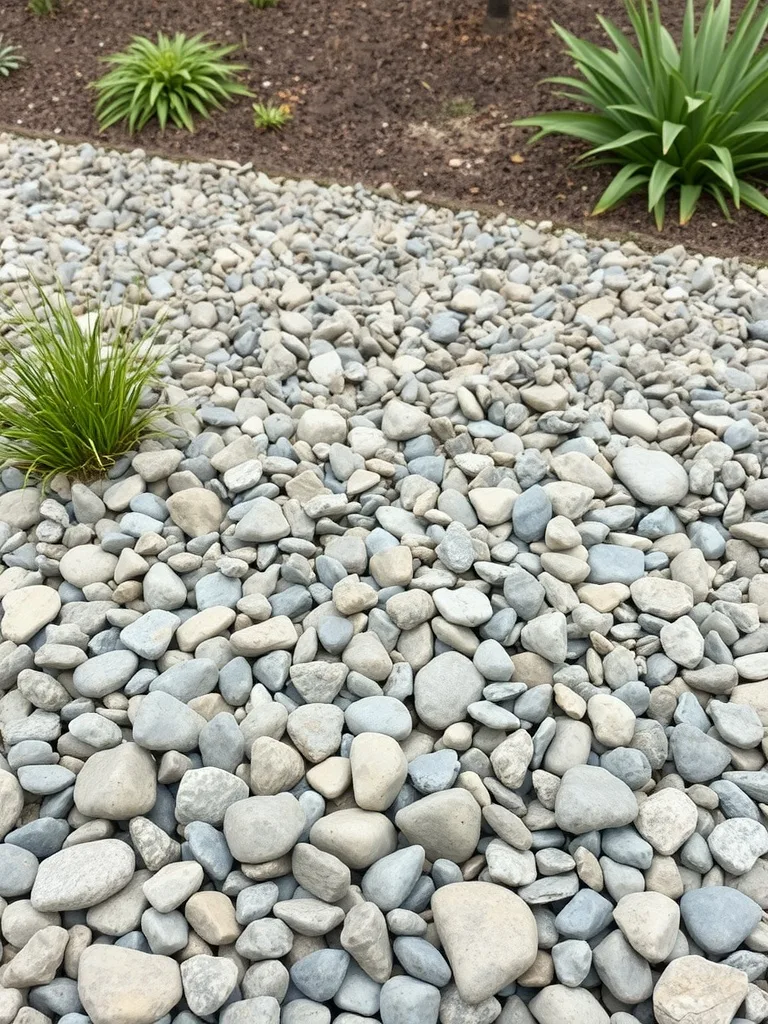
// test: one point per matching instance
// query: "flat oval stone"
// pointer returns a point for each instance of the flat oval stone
(82, 876)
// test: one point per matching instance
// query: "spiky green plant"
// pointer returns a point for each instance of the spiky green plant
(692, 117)
(262, 4)
(71, 398)
(41, 7)
(172, 79)
(10, 57)
(271, 116)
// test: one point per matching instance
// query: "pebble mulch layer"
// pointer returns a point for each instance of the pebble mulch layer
(422, 674)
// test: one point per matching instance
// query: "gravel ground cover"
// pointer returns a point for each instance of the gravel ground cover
(422, 673)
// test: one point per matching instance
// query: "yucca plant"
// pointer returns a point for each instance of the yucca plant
(262, 4)
(10, 57)
(271, 116)
(41, 7)
(172, 79)
(691, 118)
(71, 398)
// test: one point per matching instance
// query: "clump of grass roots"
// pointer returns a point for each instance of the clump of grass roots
(72, 401)
(691, 118)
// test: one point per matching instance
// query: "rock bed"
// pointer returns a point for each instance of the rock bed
(422, 673)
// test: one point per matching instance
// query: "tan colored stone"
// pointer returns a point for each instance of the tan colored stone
(488, 935)
(124, 986)
(116, 784)
(379, 769)
(28, 610)
(693, 990)
(212, 915)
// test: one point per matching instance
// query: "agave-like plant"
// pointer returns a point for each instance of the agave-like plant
(71, 398)
(10, 57)
(692, 117)
(171, 79)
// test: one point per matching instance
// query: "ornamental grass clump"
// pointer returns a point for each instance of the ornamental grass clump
(691, 118)
(170, 80)
(73, 400)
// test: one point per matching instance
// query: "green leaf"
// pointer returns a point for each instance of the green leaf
(624, 183)
(689, 197)
(658, 212)
(717, 192)
(590, 127)
(661, 177)
(694, 102)
(752, 197)
(622, 141)
(669, 132)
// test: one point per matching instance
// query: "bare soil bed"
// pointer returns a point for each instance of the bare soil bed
(403, 91)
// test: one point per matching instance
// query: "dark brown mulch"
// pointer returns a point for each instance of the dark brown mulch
(406, 91)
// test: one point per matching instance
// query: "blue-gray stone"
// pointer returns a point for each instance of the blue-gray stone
(358, 993)
(165, 933)
(334, 633)
(221, 742)
(708, 539)
(18, 868)
(420, 959)
(104, 673)
(740, 435)
(719, 918)
(209, 848)
(697, 756)
(188, 679)
(151, 634)
(272, 670)
(151, 505)
(444, 328)
(385, 715)
(236, 682)
(256, 902)
(432, 467)
(625, 846)
(295, 601)
(42, 837)
(217, 591)
(531, 513)
(163, 722)
(420, 896)
(45, 779)
(136, 524)
(320, 974)
(658, 522)
(57, 998)
(389, 881)
(627, 764)
(406, 1000)
(431, 773)
(523, 593)
(734, 803)
(572, 960)
(611, 563)
(586, 914)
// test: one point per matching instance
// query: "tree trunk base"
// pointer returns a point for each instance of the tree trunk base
(497, 26)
